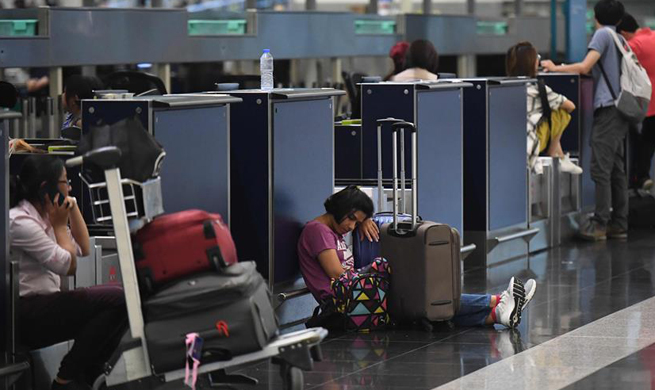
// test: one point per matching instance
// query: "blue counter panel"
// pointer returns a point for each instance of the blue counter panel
(507, 157)
(440, 157)
(303, 174)
(195, 170)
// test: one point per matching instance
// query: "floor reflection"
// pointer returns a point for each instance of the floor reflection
(577, 284)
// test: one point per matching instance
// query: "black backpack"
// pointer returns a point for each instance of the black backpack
(141, 156)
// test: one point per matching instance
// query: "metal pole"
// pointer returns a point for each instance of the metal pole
(310, 5)
(427, 7)
(553, 29)
(50, 115)
(251, 4)
(372, 7)
(32, 119)
(470, 7)
(26, 119)
(518, 7)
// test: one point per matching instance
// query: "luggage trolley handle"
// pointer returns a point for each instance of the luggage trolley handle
(395, 128)
(106, 158)
(381, 122)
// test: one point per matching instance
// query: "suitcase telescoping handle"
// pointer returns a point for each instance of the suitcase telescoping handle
(381, 122)
(395, 129)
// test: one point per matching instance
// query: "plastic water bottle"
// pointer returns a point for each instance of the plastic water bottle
(266, 70)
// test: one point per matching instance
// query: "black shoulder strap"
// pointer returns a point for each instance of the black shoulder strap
(546, 111)
(607, 81)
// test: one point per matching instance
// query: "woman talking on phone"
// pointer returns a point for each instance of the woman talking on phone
(47, 234)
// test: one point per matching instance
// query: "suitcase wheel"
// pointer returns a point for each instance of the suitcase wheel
(292, 377)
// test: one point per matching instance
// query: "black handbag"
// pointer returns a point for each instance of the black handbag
(141, 154)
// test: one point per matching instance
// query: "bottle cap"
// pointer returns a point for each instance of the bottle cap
(267, 50)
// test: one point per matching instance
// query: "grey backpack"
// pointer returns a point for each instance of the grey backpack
(636, 88)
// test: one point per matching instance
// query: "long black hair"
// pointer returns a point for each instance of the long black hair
(422, 54)
(348, 201)
(35, 171)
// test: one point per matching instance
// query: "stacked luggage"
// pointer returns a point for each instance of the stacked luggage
(188, 270)
(183, 282)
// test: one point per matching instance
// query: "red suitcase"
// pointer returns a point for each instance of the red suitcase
(180, 244)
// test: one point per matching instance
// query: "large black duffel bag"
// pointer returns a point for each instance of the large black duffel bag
(231, 311)
(641, 210)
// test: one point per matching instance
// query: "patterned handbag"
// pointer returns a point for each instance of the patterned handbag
(361, 296)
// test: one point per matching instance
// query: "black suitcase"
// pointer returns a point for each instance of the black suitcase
(231, 311)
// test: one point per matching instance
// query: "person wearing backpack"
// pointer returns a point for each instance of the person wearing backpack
(610, 125)
(326, 264)
(642, 43)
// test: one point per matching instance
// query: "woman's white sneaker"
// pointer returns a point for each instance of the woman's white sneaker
(566, 165)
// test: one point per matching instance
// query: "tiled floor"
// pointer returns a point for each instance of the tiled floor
(577, 284)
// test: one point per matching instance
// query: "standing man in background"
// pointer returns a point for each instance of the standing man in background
(642, 43)
(610, 128)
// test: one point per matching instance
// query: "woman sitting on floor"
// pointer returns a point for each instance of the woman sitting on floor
(325, 257)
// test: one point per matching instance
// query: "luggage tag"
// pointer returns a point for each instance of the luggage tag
(193, 354)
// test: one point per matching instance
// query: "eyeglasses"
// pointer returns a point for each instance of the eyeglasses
(67, 182)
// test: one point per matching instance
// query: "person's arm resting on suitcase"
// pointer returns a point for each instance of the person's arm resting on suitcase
(330, 263)
(369, 229)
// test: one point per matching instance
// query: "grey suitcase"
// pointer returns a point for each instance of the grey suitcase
(424, 257)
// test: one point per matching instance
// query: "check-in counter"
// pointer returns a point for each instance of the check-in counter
(495, 171)
(281, 172)
(541, 197)
(194, 131)
(436, 109)
(568, 189)
(5, 288)
(348, 153)
(101, 265)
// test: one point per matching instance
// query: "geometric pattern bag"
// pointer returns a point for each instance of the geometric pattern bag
(361, 296)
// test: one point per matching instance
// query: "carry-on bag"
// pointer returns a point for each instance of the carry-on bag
(641, 209)
(424, 256)
(365, 251)
(231, 311)
(176, 245)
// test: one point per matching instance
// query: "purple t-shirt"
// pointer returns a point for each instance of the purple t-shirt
(314, 239)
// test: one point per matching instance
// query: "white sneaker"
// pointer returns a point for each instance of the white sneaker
(566, 165)
(530, 287)
(507, 312)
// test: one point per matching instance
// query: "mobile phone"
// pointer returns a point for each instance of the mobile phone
(52, 191)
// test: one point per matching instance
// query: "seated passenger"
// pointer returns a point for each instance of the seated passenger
(324, 257)
(77, 88)
(397, 54)
(421, 62)
(46, 239)
(522, 60)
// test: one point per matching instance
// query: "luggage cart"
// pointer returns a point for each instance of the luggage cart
(129, 205)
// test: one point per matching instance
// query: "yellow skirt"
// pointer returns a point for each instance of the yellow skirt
(559, 120)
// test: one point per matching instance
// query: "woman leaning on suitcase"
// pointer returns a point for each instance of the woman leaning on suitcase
(46, 237)
(324, 256)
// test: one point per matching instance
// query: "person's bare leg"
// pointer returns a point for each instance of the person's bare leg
(555, 147)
